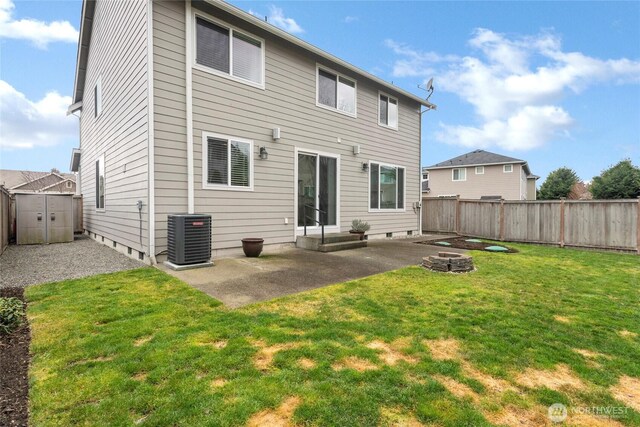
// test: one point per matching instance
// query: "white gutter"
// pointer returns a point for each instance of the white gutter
(74, 107)
(420, 177)
(313, 49)
(151, 139)
(189, 112)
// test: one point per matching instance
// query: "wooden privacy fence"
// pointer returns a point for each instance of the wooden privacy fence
(605, 224)
(5, 222)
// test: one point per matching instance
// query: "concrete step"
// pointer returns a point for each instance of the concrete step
(342, 246)
(313, 242)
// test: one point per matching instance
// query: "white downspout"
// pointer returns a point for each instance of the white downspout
(151, 138)
(420, 171)
(189, 107)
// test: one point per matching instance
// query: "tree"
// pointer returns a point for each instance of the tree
(558, 184)
(621, 181)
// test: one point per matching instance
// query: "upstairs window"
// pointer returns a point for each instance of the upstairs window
(459, 174)
(100, 182)
(336, 92)
(479, 170)
(227, 163)
(386, 187)
(229, 52)
(507, 168)
(388, 111)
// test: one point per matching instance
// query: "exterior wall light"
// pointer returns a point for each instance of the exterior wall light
(263, 153)
(365, 166)
(276, 134)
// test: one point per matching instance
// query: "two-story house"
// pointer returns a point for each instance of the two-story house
(199, 107)
(480, 175)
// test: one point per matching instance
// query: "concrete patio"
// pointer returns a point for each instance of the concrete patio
(242, 281)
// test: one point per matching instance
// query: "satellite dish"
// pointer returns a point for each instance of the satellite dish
(430, 84)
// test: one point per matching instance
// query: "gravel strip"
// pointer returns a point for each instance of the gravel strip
(33, 264)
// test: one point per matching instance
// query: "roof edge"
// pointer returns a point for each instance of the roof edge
(314, 49)
(518, 162)
(84, 38)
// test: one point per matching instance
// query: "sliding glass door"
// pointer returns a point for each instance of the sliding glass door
(317, 189)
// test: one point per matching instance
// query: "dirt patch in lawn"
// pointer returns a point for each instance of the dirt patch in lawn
(396, 417)
(390, 354)
(560, 378)
(461, 243)
(355, 363)
(562, 319)
(627, 334)
(14, 366)
(280, 417)
(459, 390)
(142, 341)
(588, 354)
(443, 349)
(306, 363)
(266, 353)
(514, 416)
(218, 382)
(628, 391)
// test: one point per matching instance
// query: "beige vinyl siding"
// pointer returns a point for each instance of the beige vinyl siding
(224, 106)
(531, 189)
(170, 126)
(494, 182)
(118, 54)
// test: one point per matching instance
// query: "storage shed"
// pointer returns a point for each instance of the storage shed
(44, 218)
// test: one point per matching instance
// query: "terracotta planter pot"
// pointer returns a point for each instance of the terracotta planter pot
(361, 233)
(252, 246)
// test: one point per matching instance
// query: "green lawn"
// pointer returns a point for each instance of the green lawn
(409, 347)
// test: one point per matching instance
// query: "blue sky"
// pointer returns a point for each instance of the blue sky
(554, 83)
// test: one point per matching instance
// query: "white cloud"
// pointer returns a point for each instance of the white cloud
(37, 32)
(28, 124)
(277, 18)
(349, 19)
(515, 100)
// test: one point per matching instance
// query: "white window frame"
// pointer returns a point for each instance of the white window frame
(205, 163)
(479, 170)
(102, 163)
(423, 174)
(404, 192)
(299, 230)
(338, 77)
(97, 102)
(397, 111)
(69, 184)
(504, 168)
(453, 174)
(232, 29)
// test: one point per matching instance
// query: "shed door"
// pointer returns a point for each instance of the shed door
(31, 219)
(59, 219)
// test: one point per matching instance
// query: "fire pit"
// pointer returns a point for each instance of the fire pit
(448, 261)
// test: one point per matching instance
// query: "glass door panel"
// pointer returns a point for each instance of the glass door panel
(317, 189)
(306, 188)
(328, 187)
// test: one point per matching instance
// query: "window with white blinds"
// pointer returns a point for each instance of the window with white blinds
(336, 91)
(227, 162)
(229, 52)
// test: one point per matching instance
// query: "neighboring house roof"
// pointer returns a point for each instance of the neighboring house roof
(88, 9)
(32, 180)
(479, 158)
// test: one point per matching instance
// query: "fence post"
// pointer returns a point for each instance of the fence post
(562, 222)
(458, 214)
(502, 220)
(638, 227)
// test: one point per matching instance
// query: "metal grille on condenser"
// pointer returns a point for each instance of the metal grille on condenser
(189, 239)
